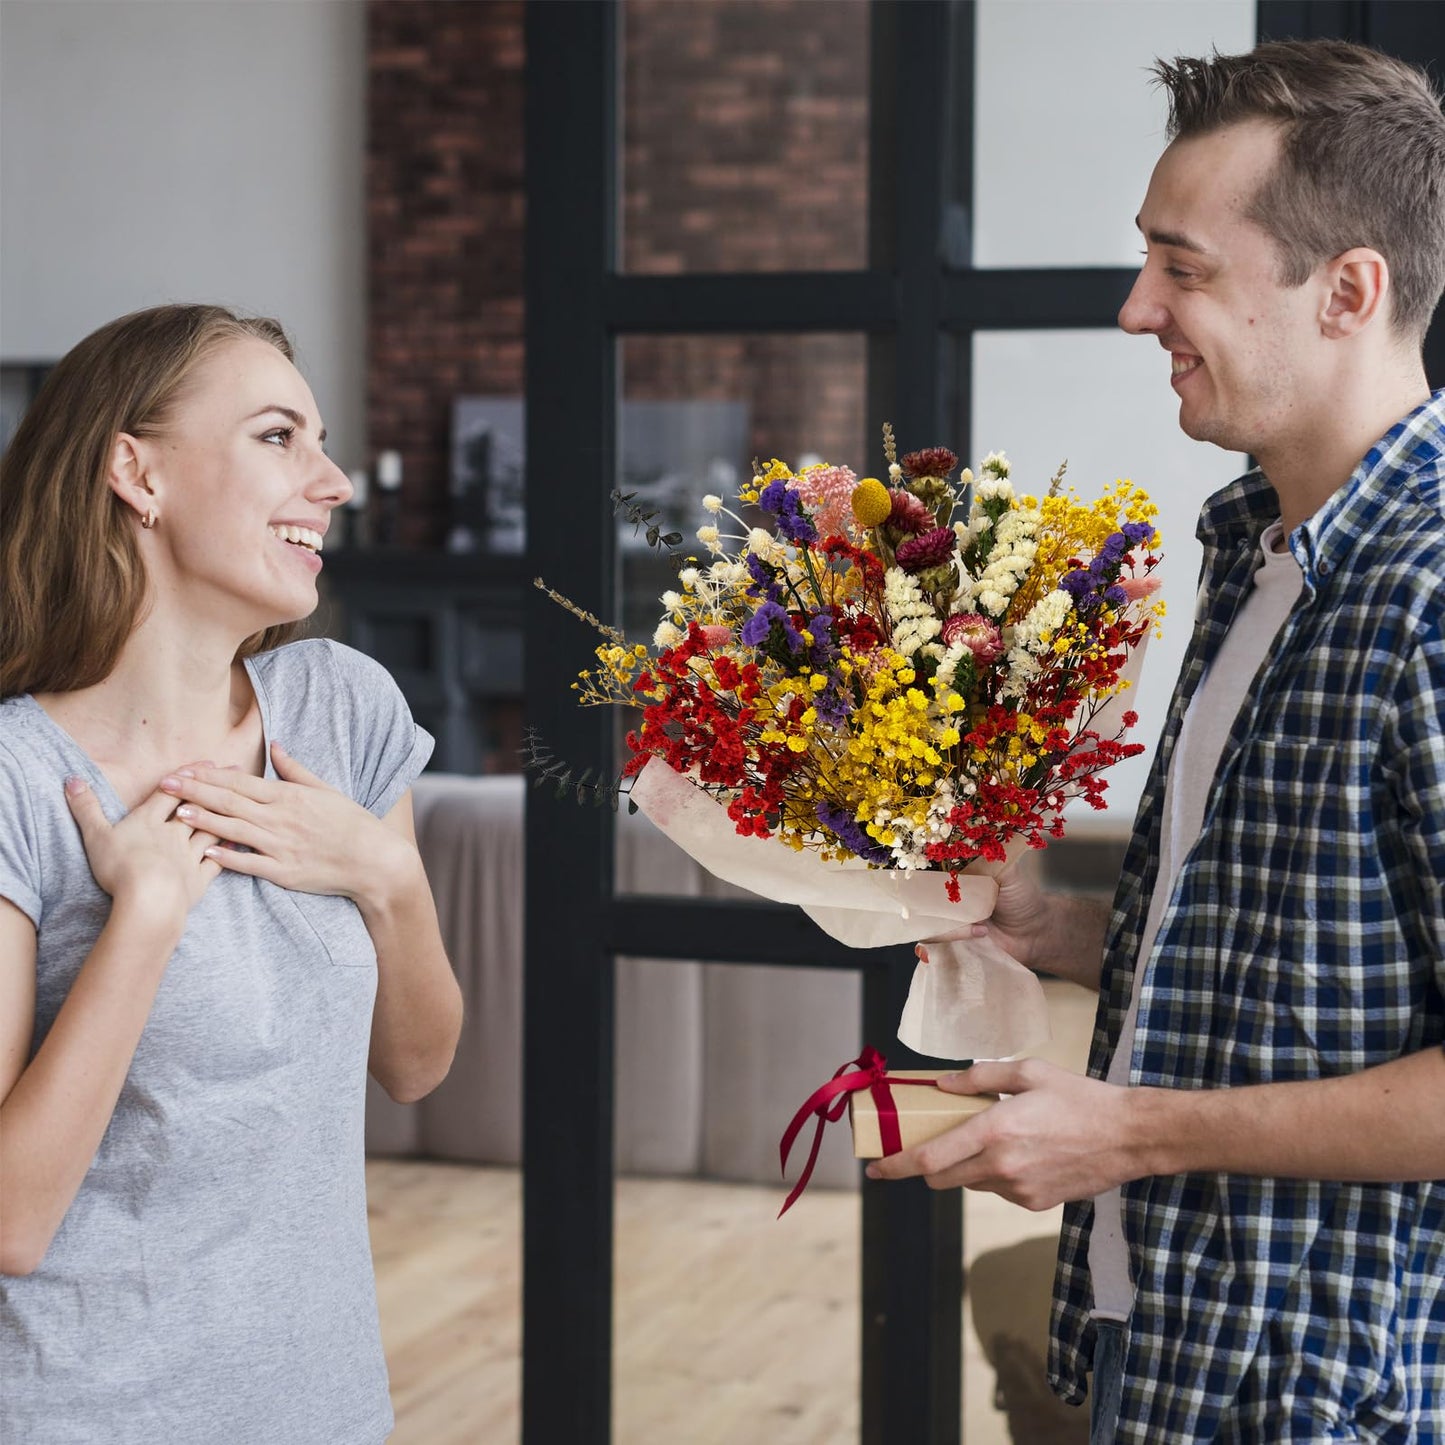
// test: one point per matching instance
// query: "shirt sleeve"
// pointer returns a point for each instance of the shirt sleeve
(1415, 752)
(19, 840)
(388, 749)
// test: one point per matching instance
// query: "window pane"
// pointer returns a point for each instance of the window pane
(1067, 125)
(745, 135)
(1115, 417)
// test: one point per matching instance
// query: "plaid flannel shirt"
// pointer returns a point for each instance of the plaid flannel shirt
(1305, 938)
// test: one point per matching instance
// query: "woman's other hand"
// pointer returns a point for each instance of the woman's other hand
(151, 858)
(300, 832)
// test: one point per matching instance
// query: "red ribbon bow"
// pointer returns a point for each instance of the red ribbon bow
(868, 1071)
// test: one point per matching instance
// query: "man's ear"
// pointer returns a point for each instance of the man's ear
(1359, 290)
(127, 476)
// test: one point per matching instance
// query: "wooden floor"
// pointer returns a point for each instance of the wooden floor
(729, 1323)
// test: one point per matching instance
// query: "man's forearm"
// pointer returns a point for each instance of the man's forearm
(1384, 1123)
(1070, 940)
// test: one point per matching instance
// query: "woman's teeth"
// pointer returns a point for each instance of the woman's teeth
(301, 536)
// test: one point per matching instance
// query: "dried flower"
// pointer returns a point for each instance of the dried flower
(930, 462)
(872, 502)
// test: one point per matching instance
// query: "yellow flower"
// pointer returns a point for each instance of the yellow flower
(871, 502)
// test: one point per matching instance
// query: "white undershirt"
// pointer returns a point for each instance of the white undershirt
(1203, 733)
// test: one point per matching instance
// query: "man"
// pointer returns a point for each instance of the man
(1253, 1250)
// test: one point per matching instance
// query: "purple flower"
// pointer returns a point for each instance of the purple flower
(770, 625)
(931, 549)
(764, 583)
(841, 823)
(787, 506)
(1138, 533)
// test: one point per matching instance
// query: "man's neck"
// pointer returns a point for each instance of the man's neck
(1308, 468)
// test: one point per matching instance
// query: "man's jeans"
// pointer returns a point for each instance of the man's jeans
(1106, 1388)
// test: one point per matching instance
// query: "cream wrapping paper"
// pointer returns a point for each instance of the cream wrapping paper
(970, 1001)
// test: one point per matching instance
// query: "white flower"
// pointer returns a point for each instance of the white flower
(712, 502)
(708, 536)
(760, 542)
(667, 635)
(996, 464)
(688, 577)
(894, 471)
(671, 600)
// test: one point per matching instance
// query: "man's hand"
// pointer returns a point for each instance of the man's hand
(1048, 932)
(1059, 1136)
(303, 834)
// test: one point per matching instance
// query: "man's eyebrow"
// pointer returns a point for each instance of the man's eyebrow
(1176, 239)
(296, 418)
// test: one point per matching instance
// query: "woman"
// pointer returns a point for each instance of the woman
(213, 917)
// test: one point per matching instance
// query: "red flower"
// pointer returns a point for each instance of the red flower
(917, 554)
(909, 514)
(931, 462)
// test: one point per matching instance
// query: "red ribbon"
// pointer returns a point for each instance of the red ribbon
(868, 1071)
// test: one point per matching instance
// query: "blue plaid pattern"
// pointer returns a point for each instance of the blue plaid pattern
(1305, 938)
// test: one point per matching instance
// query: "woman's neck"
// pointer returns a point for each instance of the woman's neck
(159, 709)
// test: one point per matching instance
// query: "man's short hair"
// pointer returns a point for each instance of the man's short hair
(1362, 156)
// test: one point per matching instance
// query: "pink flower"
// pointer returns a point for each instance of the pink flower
(976, 633)
(909, 514)
(928, 550)
(827, 492)
(718, 635)
(1135, 588)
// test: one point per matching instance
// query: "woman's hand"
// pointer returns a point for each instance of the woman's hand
(151, 856)
(302, 834)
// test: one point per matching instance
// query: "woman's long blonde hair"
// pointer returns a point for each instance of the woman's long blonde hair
(73, 581)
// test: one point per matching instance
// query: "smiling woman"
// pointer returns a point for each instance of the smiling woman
(206, 938)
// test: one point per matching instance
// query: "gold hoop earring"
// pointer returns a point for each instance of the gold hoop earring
(149, 520)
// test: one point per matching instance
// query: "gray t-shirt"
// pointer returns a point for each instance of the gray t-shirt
(212, 1283)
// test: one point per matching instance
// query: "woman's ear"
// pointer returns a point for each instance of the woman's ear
(128, 479)
(1359, 286)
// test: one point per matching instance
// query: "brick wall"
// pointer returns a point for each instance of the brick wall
(745, 128)
(445, 216)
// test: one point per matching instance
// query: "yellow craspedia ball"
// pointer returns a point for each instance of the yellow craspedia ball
(871, 502)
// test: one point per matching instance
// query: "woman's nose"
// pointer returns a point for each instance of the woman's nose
(331, 486)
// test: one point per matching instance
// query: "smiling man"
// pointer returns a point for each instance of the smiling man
(1254, 1245)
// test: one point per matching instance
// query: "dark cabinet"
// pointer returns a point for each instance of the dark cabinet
(448, 627)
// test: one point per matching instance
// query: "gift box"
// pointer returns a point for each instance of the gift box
(890, 1110)
(922, 1110)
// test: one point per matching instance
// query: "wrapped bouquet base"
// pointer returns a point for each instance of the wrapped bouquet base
(970, 1001)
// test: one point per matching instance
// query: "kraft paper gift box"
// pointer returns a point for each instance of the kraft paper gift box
(922, 1112)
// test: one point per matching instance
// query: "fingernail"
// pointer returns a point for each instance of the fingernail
(170, 782)
(186, 772)
(185, 811)
(957, 1075)
(980, 930)
(873, 1172)
(211, 852)
(74, 785)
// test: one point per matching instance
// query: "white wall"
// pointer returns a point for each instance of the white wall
(1067, 128)
(178, 150)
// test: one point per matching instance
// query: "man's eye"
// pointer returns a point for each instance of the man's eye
(280, 435)
(1175, 274)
